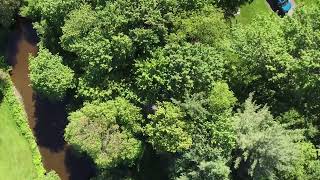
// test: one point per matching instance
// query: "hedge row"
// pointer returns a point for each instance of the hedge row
(20, 117)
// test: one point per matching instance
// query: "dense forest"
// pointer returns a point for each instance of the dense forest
(176, 89)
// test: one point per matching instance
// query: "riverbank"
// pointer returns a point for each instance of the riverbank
(19, 154)
(46, 119)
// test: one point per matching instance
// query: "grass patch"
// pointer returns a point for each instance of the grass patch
(260, 7)
(19, 155)
(306, 2)
(249, 11)
(15, 153)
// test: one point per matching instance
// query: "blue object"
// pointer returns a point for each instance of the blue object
(284, 5)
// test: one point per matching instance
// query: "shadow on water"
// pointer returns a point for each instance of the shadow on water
(47, 119)
(79, 166)
(51, 120)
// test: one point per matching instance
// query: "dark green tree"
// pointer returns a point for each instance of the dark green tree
(49, 16)
(213, 135)
(8, 9)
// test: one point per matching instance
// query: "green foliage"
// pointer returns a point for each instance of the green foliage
(221, 98)
(230, 7)
(306, 166)
(52, 175)
(103, 131)
(3, 79)
(183, 50)
(176, 70)
(293, 120)
(213, 135)
(50, 16)
(263, 61)
(206, 170)
(263, 146)
(49, 76)
(278, 60)
(20, 118)
(8, 9)
(207, 26)
(167, 129)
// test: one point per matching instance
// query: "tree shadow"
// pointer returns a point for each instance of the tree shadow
(12, 41)
(79, 166)
(51, 120)
(26, 27)
(22, 29)
(153, 165)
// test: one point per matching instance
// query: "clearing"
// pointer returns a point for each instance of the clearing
(261, 7)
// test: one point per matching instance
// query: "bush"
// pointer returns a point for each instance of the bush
(52, 175)
(49, 77)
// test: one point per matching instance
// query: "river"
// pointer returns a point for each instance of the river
(46, 119)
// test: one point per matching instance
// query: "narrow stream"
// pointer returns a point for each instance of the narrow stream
(46, 119)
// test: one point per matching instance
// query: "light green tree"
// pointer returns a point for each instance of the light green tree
(167, 130)
(105, 132)
(49, 77)
(52, 175)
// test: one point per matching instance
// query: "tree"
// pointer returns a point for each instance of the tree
(179, 69)
(207, 26)
(213, 135)
(167, 130)
(221, 98)
(216, 169)
(306, 166)
(49, 16)
(49, 77)
(263, 146)
(105, 132)
(263, 64)
(8, 8)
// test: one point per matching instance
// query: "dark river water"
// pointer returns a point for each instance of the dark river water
(46, 119)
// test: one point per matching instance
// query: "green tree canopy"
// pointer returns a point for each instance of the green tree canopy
(207, 26)
(179, 69)
(8, 9)
(49, 77)
(213, 135)
(105, 132)
(263, 147)
(167, 129)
